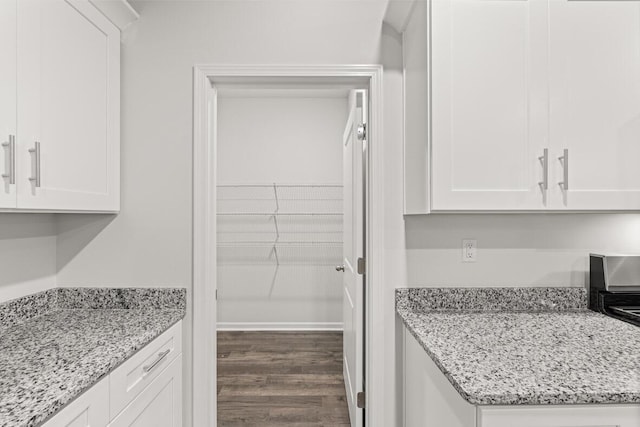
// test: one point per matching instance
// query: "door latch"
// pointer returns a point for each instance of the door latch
(362, 132)
(362, 266)
(360, 399)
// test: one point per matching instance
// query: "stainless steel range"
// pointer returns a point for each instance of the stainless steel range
(614, 286)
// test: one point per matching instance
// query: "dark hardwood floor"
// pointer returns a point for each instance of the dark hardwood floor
(282, 379)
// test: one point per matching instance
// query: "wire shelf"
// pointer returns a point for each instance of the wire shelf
(282, 191)
(280, 224)
(280, 214)
(284, 253)
(276, 198)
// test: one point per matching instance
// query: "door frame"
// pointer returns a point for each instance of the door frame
(204, 229)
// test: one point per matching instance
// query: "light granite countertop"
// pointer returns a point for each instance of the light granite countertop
(67, 340)
(528, 346)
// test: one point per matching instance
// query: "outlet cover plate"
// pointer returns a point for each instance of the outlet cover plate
(469, 250)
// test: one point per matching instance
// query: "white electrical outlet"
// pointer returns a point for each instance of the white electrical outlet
(469, 250)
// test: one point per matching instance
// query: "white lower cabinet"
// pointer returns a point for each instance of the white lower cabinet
(141, 369)
(91, 409)
(431, 401)
(160, 405)
(561, 416)
(145, 391)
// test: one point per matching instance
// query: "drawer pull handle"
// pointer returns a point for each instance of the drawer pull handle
(155, 363)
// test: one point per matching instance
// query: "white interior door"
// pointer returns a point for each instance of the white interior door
(7, 102)
(595, 103)
(68, 62)
(353, 282)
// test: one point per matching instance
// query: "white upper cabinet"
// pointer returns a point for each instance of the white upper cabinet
(512, 84)
(488, 103)
(7, 102)
(595, 102)
(68, 107)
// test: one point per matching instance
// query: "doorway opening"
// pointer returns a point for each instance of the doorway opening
(282, 210)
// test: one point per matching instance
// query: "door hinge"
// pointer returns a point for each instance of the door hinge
(362, 132)
(216, 295)
(362, 265)
(360, 400)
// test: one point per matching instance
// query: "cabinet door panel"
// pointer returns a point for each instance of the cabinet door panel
(91, 409)
(7, 99)
(131, 378)
(595, 104)
(69, 68)
(159, 405)
(489, 103)
(560, 416)
(429, 399)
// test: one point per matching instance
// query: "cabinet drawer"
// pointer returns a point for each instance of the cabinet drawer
(90, 409)
(159, 405)
(134, 375)
(560, 416)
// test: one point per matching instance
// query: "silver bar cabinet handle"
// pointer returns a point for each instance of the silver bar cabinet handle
(564, 159)
(36, 150)
(148, 368)
(11, 173)
(544, 161)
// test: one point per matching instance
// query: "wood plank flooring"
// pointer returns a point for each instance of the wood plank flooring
(282, 379)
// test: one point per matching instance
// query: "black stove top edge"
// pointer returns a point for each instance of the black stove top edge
(616, 305)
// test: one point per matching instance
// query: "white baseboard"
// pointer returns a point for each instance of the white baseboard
(279, 326)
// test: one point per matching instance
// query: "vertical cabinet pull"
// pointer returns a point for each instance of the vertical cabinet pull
(544, 161)
(36, 151)
(11, 169)
(564, 159)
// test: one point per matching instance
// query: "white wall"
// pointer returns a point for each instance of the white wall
(284, 139)
(513, 249)
(149, 243)
(27, 254)
(292, 139)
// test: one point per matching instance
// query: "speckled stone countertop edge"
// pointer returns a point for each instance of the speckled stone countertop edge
(413, 331)
(21, 309)
(149, 311)
(573, 301)
(513, 299)
(412, 322)
(94, 378)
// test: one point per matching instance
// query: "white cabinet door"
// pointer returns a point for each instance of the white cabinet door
(489, 105)
(560, 416)
(91, 409)
(159, 405)
(68, 102)
(7, 102)
(137, 372)
(429, 399)
(595, 103)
